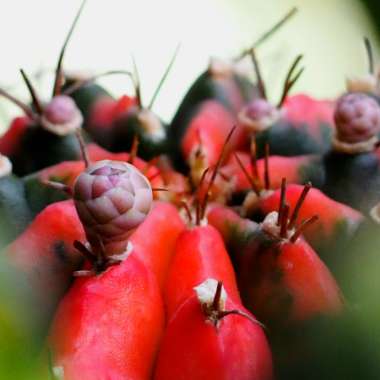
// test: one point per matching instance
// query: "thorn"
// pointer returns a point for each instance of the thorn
(59, 186)
(136, 83)
(80, 247)
(162, 81)
(223, 314)
(82, 83)
(199, 203)
(301, 199)
(368, 46)
(134, 149)
(253, 149)
(215, 172)
(217, 296)
(290, 80)
(160, 189)
(260, 81)
(28, 110)
(282, 201)
(58, 72)
(35, 100)
(187, 209)
(268, 33)
(305, 224)
(84, 273)
(251, 181)
(266, 168)
(83, 148)
(284, 221)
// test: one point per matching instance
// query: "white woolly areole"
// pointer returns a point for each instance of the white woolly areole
(206, 293)
(364, 83)
(5, 166)
(65, 128)
(354, 148)
(259, 125)
(251, 200)
(151, 124)
(123, 256)
(220, 68)
(269, 225)
(375, 213)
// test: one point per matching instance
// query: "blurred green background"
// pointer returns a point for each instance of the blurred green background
(328, 32)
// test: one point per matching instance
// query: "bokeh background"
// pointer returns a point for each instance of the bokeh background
(328, 32)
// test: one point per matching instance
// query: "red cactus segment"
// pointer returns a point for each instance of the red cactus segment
(10, 142)
(97, 153)
(206, 134)
(109, 326)
(106, 110)
(199, 254)
(194, 348)
(287, 282)
(154, 240)
(229, 223)
(289, 167)
(330, 212)
(66, 172)
(302, 109)
(45, 252)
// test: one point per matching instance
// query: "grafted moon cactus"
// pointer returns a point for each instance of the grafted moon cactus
(112, 198)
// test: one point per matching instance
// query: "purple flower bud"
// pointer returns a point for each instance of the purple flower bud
(357, 118)
(259, 115)
(112, 198)
(259, 109)
(61, 116)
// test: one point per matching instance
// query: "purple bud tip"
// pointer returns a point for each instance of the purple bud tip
(259, 109)
(112, 198)
(357, 118)
(61, 115)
